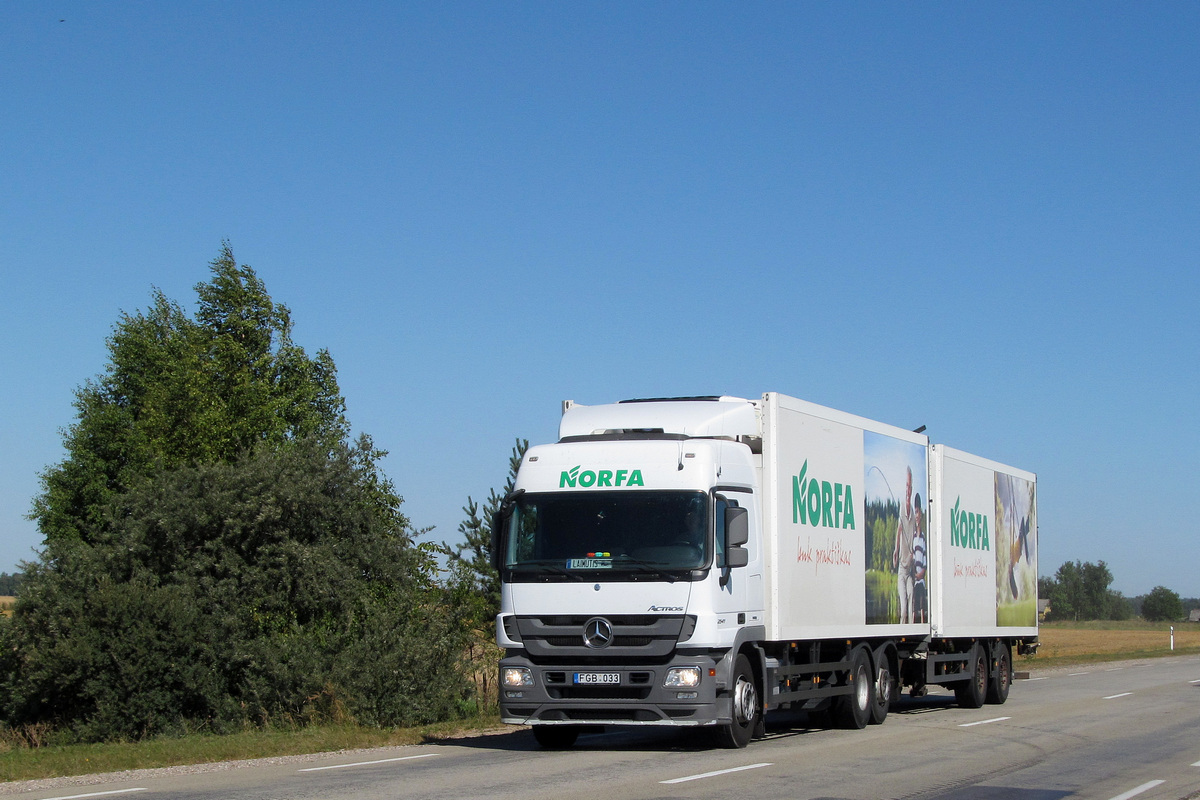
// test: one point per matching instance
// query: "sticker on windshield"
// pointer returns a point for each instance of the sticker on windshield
(589, 563)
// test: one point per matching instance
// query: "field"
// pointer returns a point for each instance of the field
(6, 604)
(1065, 643)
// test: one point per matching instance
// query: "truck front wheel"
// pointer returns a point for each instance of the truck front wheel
(746, 707)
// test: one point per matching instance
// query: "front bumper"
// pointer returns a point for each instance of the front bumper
(639, 699)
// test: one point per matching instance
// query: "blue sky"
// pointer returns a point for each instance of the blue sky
(979, 218)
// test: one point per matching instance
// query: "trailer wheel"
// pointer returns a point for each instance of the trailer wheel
(885, 690)
(971, 692)
(853, 710)
(1000, 681)
(747, 715)
(556, 737)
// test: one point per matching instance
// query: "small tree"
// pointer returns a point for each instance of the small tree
(474, 582)
(473, 556)
(1079, 591)
(1162, 605)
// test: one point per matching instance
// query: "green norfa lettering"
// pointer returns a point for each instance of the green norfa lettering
(821, 503)
(587, 478)
(968, 530)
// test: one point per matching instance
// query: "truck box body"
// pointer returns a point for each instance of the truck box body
(700, 561)
(828, 477)
(984, 537)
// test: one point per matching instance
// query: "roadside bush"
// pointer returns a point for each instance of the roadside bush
(281, 588)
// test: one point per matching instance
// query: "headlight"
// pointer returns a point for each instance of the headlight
(516, 676)
(682, 678)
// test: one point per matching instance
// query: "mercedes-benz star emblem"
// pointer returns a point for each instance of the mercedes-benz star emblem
(597, 632)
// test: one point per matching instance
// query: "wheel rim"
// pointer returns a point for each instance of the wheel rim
(862, 692)
(883, 691)
(981, 675)
(745, 701)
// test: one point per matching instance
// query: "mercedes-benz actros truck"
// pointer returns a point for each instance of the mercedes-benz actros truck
(701, 561)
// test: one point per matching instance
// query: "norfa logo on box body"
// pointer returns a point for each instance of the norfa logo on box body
(967, 529)
(587, 478)
(821, 503)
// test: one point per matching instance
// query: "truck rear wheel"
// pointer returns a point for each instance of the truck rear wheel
(747, 714)
(556, 737)
(885, 690)
(999, 682)
(853, 710)
(971, 692)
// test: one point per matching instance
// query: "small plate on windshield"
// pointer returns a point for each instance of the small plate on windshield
(589, 563)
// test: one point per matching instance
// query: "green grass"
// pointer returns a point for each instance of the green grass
(25, 763)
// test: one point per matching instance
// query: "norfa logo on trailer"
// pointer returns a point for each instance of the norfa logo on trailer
(967, 529)
(587, 478)
(821, 503)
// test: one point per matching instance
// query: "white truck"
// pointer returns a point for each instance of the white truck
(701, 561)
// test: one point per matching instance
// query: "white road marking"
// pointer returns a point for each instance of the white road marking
(1031, 680)
(1145, 787)
(368, 763)
(714, 774)
(983, 722)
(1073, 674)
(1114, 669)
(96, 794)
(1115, 696)
(1193, 681)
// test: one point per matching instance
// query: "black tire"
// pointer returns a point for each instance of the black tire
(556, 737)
(1001, 677)
(853, 711)
(885, 689)
(971, 692)
(745, 708)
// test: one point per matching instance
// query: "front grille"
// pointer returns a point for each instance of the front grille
(633, 636)
(599, 693)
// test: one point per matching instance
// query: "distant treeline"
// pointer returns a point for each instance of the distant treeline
(10, 583)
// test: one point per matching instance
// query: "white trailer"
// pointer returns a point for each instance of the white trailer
(700, 561)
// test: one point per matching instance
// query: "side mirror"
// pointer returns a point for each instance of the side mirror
(737, 557)
(498, 520)
(737, 526)
(737, 533)
(499, 523)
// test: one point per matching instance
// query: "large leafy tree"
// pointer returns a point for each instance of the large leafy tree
(181, 390)
(218, 553)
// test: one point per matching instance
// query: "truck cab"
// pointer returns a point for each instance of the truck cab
(631, 567)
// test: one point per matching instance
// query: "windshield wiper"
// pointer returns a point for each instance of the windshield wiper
(544, 567)
(647, 567)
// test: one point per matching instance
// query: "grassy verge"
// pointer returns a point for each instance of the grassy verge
(24, 763)
(1063, 644)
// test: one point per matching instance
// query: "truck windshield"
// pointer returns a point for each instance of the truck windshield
(634, 532)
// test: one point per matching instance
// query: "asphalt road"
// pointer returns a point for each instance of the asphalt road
(1108, 732)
